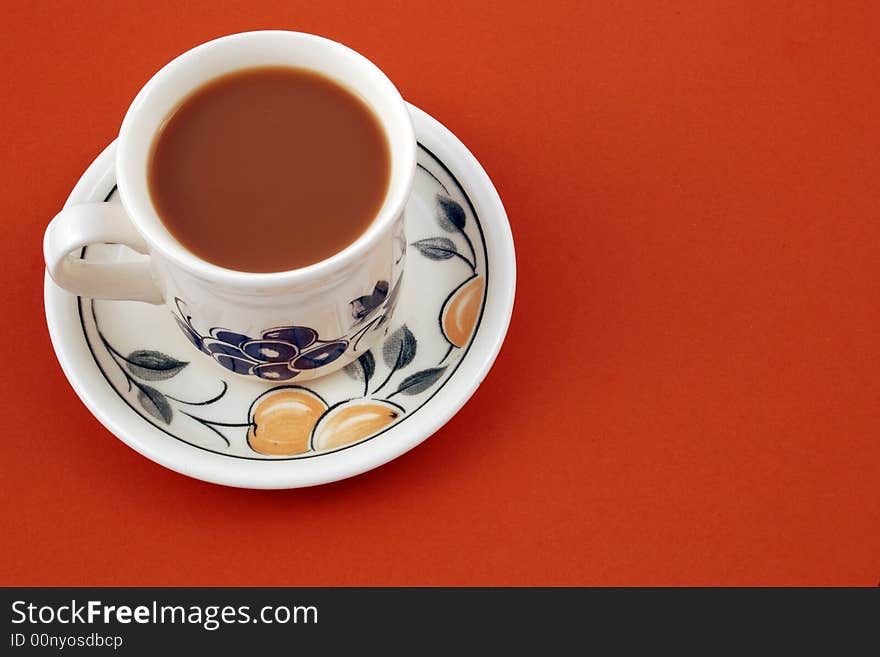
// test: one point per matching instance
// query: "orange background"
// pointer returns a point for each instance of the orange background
(690, 389)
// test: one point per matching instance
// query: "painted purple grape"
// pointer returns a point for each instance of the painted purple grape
(274, 372)
(230, 337)
(301, 336)
(270, 351)
(215, 347)
(234, 363)
(320, 356)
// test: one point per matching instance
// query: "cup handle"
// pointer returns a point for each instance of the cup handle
(98, 223)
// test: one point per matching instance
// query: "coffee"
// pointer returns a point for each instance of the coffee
(269, 169)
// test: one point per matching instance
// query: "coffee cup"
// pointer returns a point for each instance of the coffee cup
(274, 326)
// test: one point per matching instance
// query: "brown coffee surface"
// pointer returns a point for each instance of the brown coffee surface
(269, 169)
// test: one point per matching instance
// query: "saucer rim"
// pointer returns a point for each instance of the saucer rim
(270, 474)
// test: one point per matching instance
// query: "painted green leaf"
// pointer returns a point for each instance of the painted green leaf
(420, 381)
(400, 348)
(436, 248)
(153, 365)
(450, 214)
(155, 403)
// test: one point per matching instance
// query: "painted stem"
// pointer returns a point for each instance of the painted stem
(469, 263)
(446, 355)
(391, 373)
(472, 262)
(207, 424)
(202, 403)
(436, 179)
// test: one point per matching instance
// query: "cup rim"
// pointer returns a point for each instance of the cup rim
(134, 192)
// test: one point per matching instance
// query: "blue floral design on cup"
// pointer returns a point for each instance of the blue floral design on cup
(279, 354)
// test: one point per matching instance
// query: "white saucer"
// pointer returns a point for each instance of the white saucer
(135, 371)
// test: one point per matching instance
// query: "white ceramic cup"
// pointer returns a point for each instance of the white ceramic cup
(296, 324)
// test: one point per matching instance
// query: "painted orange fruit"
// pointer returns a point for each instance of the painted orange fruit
(459, 314)
(353, 421)
(282, 421)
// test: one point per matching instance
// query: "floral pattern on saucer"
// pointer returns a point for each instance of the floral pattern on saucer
(441, 306)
